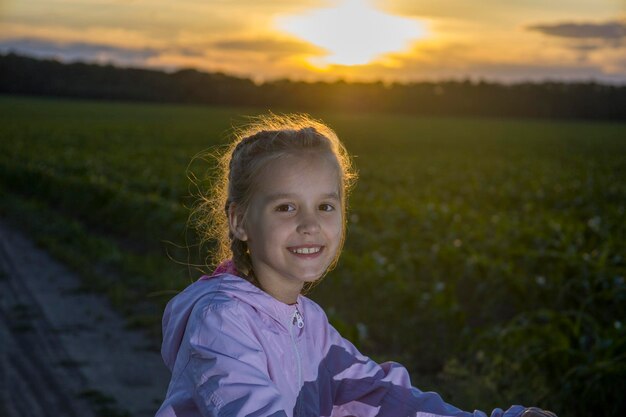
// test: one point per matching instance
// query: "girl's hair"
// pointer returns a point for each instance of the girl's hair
(255, 145)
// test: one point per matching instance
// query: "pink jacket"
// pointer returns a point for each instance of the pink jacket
(234, 350)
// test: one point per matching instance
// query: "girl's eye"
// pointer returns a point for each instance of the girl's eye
(285, 208)
(326, 207)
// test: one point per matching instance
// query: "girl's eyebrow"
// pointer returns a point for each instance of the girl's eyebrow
(280, 196)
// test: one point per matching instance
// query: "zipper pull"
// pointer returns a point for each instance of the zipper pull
(297, 319)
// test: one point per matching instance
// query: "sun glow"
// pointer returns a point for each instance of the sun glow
(353, 32)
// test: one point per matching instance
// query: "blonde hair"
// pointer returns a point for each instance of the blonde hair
(256, 144)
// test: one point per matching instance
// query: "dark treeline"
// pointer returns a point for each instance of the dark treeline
(581, 100)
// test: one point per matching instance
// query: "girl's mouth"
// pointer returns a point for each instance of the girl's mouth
(306, 250)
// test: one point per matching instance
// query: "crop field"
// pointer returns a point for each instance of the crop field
(486, 255)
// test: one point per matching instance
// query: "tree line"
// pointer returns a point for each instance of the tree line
(563, 100)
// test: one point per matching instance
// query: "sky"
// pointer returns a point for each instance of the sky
(354, 40)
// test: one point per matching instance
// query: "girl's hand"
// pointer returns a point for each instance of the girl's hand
(537, 412)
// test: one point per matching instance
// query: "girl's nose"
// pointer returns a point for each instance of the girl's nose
(308, 224)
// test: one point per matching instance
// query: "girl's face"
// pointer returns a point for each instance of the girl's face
(293, 225)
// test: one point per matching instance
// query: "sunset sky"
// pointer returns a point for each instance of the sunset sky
(394, 40)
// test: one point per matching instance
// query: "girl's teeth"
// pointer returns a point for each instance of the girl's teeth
(306, 251)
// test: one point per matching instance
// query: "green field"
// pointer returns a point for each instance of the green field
(488, 256)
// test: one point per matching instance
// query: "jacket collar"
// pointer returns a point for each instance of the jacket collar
(243, 290)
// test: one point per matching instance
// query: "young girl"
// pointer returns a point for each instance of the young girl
(244, 341)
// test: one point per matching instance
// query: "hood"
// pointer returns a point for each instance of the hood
(179, 309)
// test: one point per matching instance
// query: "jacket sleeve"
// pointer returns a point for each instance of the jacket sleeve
(364, 388)
(228, 367)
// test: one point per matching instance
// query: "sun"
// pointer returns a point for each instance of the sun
(353, 32)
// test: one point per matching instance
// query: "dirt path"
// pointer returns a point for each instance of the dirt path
(64, 352)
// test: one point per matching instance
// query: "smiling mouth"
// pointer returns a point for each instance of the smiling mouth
(306, 250)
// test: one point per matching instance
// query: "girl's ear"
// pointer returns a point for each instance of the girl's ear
(235, 222)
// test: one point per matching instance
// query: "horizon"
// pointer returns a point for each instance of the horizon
(331, 40)
(472, 81)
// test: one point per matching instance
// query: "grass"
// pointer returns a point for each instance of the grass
(486, 255)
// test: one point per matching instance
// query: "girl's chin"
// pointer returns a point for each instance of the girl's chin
(308, 278)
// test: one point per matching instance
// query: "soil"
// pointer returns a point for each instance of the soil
(64, 352)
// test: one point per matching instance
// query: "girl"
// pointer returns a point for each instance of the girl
(244, 341)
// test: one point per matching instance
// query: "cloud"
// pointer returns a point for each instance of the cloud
(266, 46)
(461, 61)
(608, 31)
(187, 52)
(75, 51)
(586, 39)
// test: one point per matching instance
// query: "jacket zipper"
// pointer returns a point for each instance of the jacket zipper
(297, 319)
(298, 322)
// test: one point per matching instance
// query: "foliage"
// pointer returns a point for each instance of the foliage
(486, 255)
